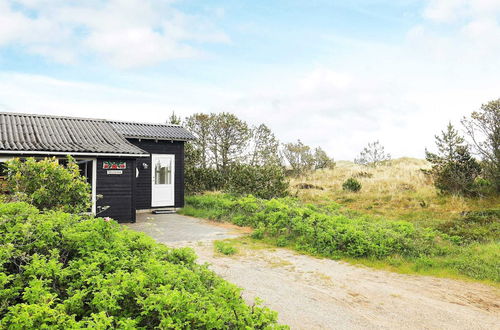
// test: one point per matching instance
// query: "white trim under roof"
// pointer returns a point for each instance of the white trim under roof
(138, 137)
(94, 154)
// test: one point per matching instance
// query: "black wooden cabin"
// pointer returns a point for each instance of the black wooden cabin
(130, 166)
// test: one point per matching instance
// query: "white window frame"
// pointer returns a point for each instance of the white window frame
(94, 181)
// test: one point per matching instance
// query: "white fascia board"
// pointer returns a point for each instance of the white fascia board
(55, 153)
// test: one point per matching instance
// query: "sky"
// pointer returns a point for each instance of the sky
(336, 74)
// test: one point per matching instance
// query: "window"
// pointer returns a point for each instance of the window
(84, 166)
(3, 170)
(3, 177)
(163, 172)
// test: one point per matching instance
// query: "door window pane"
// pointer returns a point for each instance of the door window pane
(163, 172)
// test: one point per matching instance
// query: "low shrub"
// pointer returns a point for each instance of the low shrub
(351, 184)
(479, 261)
(476, 226)
(65, 271)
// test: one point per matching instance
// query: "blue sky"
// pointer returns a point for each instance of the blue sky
(337, 74)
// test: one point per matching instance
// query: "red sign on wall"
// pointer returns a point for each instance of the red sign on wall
(114, 165)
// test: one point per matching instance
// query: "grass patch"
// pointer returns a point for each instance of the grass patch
(478, 263)
(225, 247)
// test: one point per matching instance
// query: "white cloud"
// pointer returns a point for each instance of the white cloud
(452, 10)
(126, 33)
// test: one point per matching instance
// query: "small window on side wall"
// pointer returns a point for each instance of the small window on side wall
(3, 177)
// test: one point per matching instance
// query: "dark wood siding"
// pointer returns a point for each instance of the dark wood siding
(118, 191)
(143, 181)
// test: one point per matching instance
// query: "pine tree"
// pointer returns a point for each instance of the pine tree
(373, 155)
(453, 168)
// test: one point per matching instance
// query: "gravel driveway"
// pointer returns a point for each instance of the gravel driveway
(313, 293)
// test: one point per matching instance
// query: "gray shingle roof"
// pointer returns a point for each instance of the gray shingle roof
(152, 131)
(26, 132)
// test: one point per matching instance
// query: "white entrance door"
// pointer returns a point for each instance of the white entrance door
(163, 168)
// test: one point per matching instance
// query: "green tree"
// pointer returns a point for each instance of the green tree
(322, 160)
(373, 155)
(483, 128)
(299, 157)
(448, 144)
(229, 138)
(49, 185)
(265, 147)
(453, 168)
(199, 125)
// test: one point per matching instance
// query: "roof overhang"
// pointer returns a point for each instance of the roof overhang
(63, 153)
(156, 138)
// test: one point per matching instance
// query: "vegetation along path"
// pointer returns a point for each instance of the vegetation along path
(314, 293)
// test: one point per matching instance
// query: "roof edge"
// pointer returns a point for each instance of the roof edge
(155, 138)
(75, 153)
(142, 123)
(50, 116)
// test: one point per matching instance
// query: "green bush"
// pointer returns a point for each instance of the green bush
(225, 248)
(266, 181)
(65, 271)
(476, 226)
(199, 180)
(351, 184)
(49, 185)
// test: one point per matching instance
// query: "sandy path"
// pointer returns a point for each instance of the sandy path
(312, 293)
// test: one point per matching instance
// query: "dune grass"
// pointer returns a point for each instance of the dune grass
(399, 190)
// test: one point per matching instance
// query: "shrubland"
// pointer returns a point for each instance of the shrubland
(331, 230)
(65, 271)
